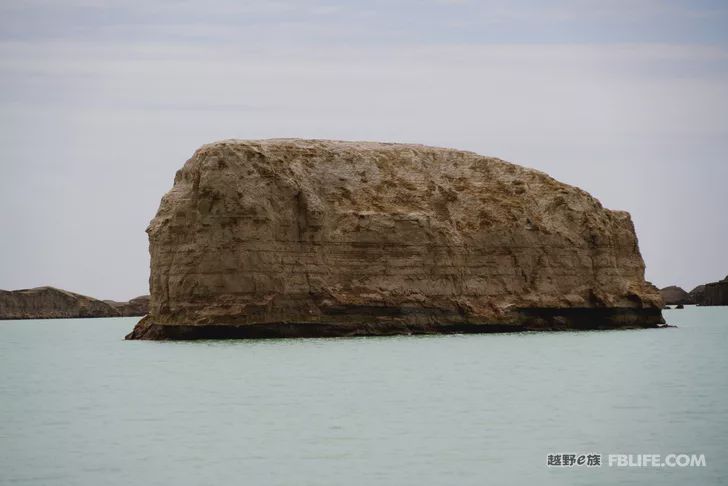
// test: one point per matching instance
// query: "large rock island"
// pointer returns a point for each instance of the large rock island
(284, 238)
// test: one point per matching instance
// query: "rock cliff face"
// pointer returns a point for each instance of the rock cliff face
(716, 293)
(322, 238)
(53, 303)
(50, 303)
(674, 295)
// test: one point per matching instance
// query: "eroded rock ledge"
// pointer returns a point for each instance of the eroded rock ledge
(286, 238)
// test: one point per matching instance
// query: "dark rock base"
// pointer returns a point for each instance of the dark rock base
(532, 319)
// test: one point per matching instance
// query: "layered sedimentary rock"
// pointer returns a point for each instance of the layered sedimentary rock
(322, 238)
(716, 293)
(138, 306)
(674, 295)
(50, 303)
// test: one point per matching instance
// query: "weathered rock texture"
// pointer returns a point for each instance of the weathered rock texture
(716, 293)
(321, 238)
(52, 303)
(674, 295)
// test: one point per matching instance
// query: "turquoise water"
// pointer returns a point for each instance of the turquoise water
(80, 406)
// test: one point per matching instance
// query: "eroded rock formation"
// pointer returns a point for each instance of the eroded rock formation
(322, 238)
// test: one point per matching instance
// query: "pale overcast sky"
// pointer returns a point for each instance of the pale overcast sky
(102, 101)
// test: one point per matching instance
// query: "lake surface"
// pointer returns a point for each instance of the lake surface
(80, 406)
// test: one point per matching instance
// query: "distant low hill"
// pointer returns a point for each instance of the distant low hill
(53, 303)
(697, 294)
(710, 294)
(138, 306)
(674, 295)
